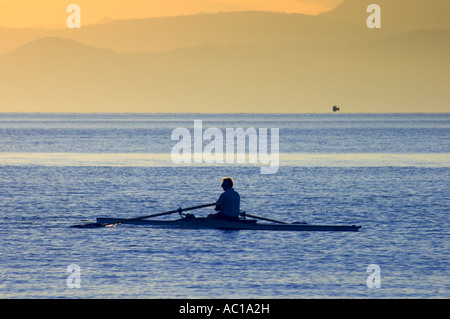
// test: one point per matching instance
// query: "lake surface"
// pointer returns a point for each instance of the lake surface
(388, 173)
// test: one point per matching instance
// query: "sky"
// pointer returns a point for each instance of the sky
(52, 13)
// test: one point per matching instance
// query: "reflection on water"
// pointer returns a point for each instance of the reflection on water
(366, 160)
(286, 159)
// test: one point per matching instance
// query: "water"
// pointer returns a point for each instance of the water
(388, 173)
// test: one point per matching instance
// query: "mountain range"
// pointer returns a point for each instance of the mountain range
(236, 62)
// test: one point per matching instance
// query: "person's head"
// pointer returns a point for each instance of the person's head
(227, 183)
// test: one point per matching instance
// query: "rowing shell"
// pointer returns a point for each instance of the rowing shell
(247, 224)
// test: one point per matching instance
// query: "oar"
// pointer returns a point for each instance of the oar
(263, 218)
(126, 220)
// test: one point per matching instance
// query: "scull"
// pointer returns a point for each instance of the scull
(242, 224)
(189, 221)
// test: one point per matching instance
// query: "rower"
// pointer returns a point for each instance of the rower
(227, 206)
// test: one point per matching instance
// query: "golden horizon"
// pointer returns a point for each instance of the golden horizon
(46, 14)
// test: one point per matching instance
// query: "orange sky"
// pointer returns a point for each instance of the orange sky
(52, 13)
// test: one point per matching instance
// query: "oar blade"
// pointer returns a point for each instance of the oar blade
(91, 225)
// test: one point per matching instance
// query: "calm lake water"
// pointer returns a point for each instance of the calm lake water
(388, 173)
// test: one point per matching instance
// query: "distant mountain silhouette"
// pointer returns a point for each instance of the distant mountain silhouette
(236, 62)
(345, 24)
(168, 33)
(55, 74)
